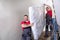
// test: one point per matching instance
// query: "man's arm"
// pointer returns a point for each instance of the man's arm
(24, 25)
(31, 24)
(47, 5)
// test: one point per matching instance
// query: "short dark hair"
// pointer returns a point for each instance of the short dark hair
(26, 15)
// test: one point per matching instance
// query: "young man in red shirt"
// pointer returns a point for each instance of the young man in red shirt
(26, 27)
(48, 19)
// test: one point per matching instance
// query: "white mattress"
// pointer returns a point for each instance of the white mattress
(36, 16)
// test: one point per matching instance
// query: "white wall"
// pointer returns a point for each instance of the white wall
(57, 10)
(11, 13)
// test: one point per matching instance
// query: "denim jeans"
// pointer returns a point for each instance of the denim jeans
(26, 34)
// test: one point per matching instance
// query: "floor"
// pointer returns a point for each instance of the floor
(44, 38)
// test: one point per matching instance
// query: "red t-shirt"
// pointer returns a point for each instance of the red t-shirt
(25, 22)
(50, 13)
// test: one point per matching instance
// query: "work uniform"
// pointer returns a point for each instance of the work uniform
(48, 21)
(26, 35)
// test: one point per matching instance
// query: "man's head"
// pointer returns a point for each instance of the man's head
(25, 17)
(48, 8)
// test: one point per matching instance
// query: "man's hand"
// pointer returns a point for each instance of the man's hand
(46, 5)
(25, 25)
(31, 24)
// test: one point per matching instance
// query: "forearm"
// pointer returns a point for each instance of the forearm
(25, 26)
(30, 25)
(45, 5)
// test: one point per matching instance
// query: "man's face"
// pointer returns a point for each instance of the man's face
(47, 8)
(25, 18)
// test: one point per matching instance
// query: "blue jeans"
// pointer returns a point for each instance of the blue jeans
(48, 22)
(26, 34)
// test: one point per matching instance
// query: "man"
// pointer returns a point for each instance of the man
(48, 19)
(26, 27)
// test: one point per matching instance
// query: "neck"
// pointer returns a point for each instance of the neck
(25, 20)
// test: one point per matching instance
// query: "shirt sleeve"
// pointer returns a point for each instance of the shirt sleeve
(22, 22)
(29, 22)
